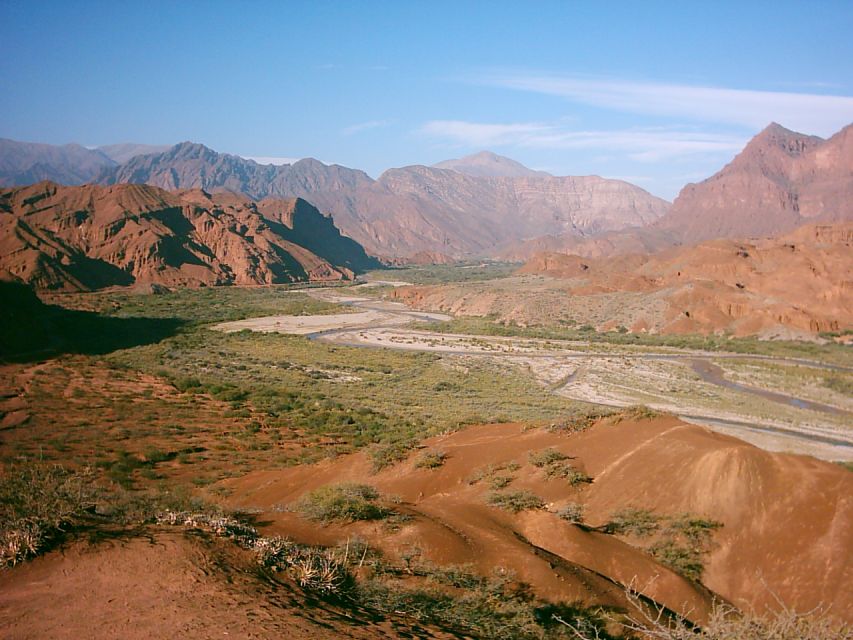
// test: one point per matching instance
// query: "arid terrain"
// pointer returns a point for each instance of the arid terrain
(795, 286)
(465, 466)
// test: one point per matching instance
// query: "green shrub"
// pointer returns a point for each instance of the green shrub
(431, 460)
(346, 502)
(682, 559)
(568, 472)
(572, 513)
(545, 457)
(515, 501)
(490, 471)
(386, 455)
(633, 521)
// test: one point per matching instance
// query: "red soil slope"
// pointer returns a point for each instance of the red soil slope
(169, 585)
(788, 521)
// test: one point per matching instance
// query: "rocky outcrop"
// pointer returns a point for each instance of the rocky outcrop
(799, 284)
(90, 237)
(780, 181)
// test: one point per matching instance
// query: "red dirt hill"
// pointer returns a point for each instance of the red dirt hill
(787, 520)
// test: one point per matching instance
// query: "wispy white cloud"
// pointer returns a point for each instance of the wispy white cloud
(477, 134)
(646, 145)
(365, 126)
(817, 113)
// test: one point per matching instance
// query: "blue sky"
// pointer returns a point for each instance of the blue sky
(658, 93)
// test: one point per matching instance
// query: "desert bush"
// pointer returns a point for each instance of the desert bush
(515, 501)
(633, 521)
(318, 569)
(638, 412)
(840, 383)
(572, 513)
(346, 502)
(386, 455)
(431, 460)
(580, 421)
(545, 457)
(568, 472)
(654, 622)
(500, 481)
(490, 471)
(680, 558)
(494, 607)
(37, 504)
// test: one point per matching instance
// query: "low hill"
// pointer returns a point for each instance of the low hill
(748, 509)
(90, 237)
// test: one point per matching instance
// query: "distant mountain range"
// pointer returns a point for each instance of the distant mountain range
(485, 204)
(413, 209)
(90, 237)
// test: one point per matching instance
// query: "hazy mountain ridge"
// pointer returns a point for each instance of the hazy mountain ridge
(411, 209)
(29, 162)
(90, 237)
(124, 151)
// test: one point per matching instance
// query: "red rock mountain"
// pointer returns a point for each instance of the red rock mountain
(799, 284)
(89, 237)
(413, 209)
(780, 181)
(802, 281)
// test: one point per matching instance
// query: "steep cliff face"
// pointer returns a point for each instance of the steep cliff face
(89, 237)
(780, 181)
(413, 209)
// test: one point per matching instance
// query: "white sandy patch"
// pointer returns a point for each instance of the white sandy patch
(302, 325)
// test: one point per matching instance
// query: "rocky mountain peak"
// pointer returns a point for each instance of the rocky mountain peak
(486, 164)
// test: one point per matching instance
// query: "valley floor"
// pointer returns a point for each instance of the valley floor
(780, 404)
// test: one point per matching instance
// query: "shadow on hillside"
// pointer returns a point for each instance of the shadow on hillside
(31, 330)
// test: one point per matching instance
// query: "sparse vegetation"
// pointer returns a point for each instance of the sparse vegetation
(346, 502)
(431, 460)
(515, 501)
(571, 513)
(555, 465)
(545, 457)
(839, 383)
(492, 471)
(38, 503)
(679, 541)
(491, 326)
(725, 623)
(632, 521)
